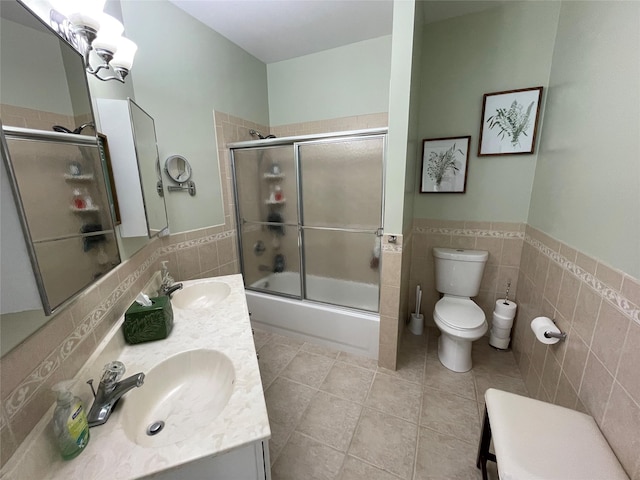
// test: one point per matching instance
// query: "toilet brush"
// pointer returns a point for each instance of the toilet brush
(416, 324)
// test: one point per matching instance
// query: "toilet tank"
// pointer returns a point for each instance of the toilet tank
(459, 271)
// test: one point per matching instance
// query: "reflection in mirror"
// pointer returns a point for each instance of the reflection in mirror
(59, 251)
(61, 201)
(136, 167)
(144, 138)
(31, 99)
(178, 168)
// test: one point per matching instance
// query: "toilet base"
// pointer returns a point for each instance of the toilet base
(455, 353)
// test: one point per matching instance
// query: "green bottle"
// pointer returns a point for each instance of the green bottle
(69, 422)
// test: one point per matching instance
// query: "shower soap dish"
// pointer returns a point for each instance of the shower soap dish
(146, 324)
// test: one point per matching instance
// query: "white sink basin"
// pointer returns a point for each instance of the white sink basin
(200, 296)
(186, 392)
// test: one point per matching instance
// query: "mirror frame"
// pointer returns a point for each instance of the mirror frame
(159, 185)
(171, 161)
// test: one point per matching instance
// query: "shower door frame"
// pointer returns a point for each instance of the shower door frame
(296, 142)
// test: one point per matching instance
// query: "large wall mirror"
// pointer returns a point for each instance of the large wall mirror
(57, 228)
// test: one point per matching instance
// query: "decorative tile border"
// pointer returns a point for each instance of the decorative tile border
(605, 291)
(25, 391)
(175, 247)
(469, 232)
(391, 248)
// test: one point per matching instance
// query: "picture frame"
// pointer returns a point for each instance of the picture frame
(444, 164)
(509, 122)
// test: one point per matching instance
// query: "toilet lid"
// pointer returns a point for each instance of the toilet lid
(459, 313)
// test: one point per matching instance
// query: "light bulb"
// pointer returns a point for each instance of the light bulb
(123, 57)
(109, 34)
(82, 13)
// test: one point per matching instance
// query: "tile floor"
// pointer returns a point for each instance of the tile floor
(339, 416)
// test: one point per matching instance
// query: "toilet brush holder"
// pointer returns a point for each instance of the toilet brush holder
(416, 324)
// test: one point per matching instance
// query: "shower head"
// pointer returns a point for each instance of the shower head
(83, 126)
(256, 133)
(61, 129)
(77, 131)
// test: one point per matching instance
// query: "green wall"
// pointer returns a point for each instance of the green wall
(183, 71)
(22, 84)
(463, 58)
(340, 82)
(586, 191)
(399, 113)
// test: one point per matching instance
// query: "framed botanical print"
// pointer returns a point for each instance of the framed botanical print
(444, 165)
(509, 122)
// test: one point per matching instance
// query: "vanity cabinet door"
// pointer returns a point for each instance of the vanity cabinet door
(244, 463)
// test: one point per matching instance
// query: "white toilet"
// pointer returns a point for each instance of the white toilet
(461, 321)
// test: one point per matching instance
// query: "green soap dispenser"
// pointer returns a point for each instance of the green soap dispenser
(69, 422)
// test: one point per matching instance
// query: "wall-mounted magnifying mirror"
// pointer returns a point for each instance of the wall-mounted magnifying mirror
(179, 170)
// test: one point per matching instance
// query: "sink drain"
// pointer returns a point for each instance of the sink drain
(155, 428)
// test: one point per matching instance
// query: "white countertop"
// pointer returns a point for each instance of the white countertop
(110, 453)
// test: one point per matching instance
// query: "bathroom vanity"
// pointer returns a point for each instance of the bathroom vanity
(217, 427)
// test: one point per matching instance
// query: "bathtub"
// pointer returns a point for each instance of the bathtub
(347, 329)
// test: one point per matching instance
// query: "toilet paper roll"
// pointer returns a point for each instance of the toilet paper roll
(502, 321)
(500, 332)
(539, 325)
(501, 343)
(505, 308)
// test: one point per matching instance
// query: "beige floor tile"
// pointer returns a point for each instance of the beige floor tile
(287, 401)
(272, 359)
(414, 343)
(260, 338)
(487, 359)
(308, 368)
(451, 415)
(501, 382)
(304, 458)
(444, 457)
(410, 367)
(386, 442)
(358, 360)
(438, 376)
(395, 397)
(279, 436)
(348, 381)
(355, 469)
(330, 420)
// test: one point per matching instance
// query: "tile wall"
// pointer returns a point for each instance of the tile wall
(502, 240)
(391, 299)
(40, 120)
(60, 348)
(596, 369)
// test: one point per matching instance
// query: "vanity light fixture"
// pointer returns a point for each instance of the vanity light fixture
(87, 28)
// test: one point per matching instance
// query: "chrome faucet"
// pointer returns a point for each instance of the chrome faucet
(168, 290)
(109, 392)
(167, 287)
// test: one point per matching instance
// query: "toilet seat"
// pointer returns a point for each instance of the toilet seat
(459, 313)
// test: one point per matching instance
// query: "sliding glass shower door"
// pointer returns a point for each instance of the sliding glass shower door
(310, 217)
(341, 214)
(267, 207)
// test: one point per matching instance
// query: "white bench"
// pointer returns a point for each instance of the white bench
(535, 440)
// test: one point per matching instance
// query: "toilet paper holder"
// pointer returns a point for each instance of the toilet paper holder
(561, 335)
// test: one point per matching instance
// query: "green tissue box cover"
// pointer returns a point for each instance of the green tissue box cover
(145, 324)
